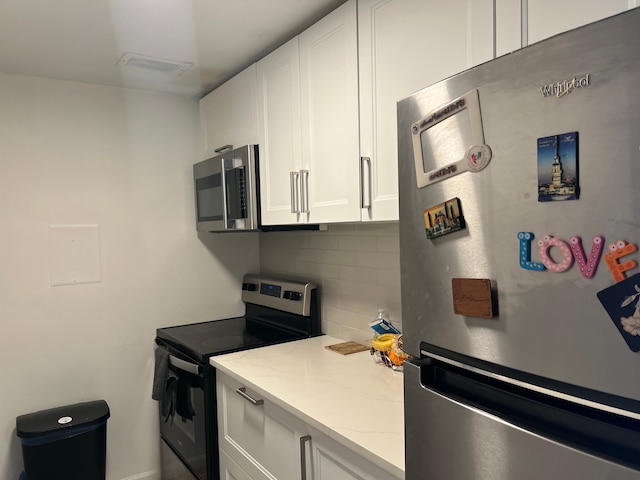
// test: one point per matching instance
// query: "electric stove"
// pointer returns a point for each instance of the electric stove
(276, 311)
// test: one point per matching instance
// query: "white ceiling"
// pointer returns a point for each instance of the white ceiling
(83, 40)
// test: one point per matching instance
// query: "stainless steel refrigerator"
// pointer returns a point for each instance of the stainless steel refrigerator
(519, 223)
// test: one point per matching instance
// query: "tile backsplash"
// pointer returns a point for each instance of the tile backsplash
(357, 268)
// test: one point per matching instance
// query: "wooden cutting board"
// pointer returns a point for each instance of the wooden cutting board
(347, 348)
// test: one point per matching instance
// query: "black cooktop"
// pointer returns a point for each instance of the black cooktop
(276, 311)
(199, 341)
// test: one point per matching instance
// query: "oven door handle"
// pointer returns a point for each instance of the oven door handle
(183, 365)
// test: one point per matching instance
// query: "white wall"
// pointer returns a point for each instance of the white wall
(357, 267)
(75, 154)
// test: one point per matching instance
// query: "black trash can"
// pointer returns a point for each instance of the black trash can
(65, 443)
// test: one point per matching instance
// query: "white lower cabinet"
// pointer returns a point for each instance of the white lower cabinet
(229, 470)
(260, 437)
(259, 440)
(329, 460)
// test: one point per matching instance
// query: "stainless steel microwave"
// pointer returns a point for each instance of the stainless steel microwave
(226, 191)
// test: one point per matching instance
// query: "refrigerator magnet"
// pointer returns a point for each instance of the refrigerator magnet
(558, 167)
(622, 303)
(473, 297)
(588, 264)
(443, 218)
(433, 142)
(616, 251)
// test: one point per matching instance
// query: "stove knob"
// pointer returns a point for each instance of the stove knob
(290, 295)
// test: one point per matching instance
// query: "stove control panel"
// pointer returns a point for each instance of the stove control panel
(271, 290)
(287, 295)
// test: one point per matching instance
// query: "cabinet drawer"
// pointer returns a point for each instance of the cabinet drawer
(229, 470)
(261, 437)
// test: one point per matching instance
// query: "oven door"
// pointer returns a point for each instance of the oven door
(225, 191)
(182, 415)
(171, 466)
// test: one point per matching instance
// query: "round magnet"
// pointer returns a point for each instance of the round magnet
(478, 157)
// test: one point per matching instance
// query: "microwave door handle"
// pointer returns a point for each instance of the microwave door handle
(223, 148)
(223, 181)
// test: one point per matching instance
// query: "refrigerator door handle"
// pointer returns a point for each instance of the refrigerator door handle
(585, 402)
(606, 431)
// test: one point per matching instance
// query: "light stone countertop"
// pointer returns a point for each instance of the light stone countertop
(350, 398)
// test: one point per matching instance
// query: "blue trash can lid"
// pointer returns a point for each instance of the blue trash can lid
(57, 419)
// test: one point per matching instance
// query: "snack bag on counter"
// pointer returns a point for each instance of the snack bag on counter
(381, 325)
(386, 346)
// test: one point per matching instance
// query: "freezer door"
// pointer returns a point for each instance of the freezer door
(450, 437)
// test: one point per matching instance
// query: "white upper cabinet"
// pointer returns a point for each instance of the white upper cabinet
(547, 18)
(308, 124)
(521, 22)
(229, 114)
(322, 107)
(279, 133)
(406, 45)
(509, 32)
(330, 127)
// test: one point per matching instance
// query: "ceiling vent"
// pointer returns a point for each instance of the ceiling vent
(152, 63)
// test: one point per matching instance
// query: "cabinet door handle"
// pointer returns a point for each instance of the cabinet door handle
(294, 180)
(223, 181)
(365, 182)
(223, 148)
(304, 191)
(303, 456)
(242, 391)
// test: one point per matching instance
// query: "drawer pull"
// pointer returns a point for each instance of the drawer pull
(303, 456)
(242, 391)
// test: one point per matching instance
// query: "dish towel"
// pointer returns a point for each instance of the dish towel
(183, 400)
(169, 398)
(161, 373)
